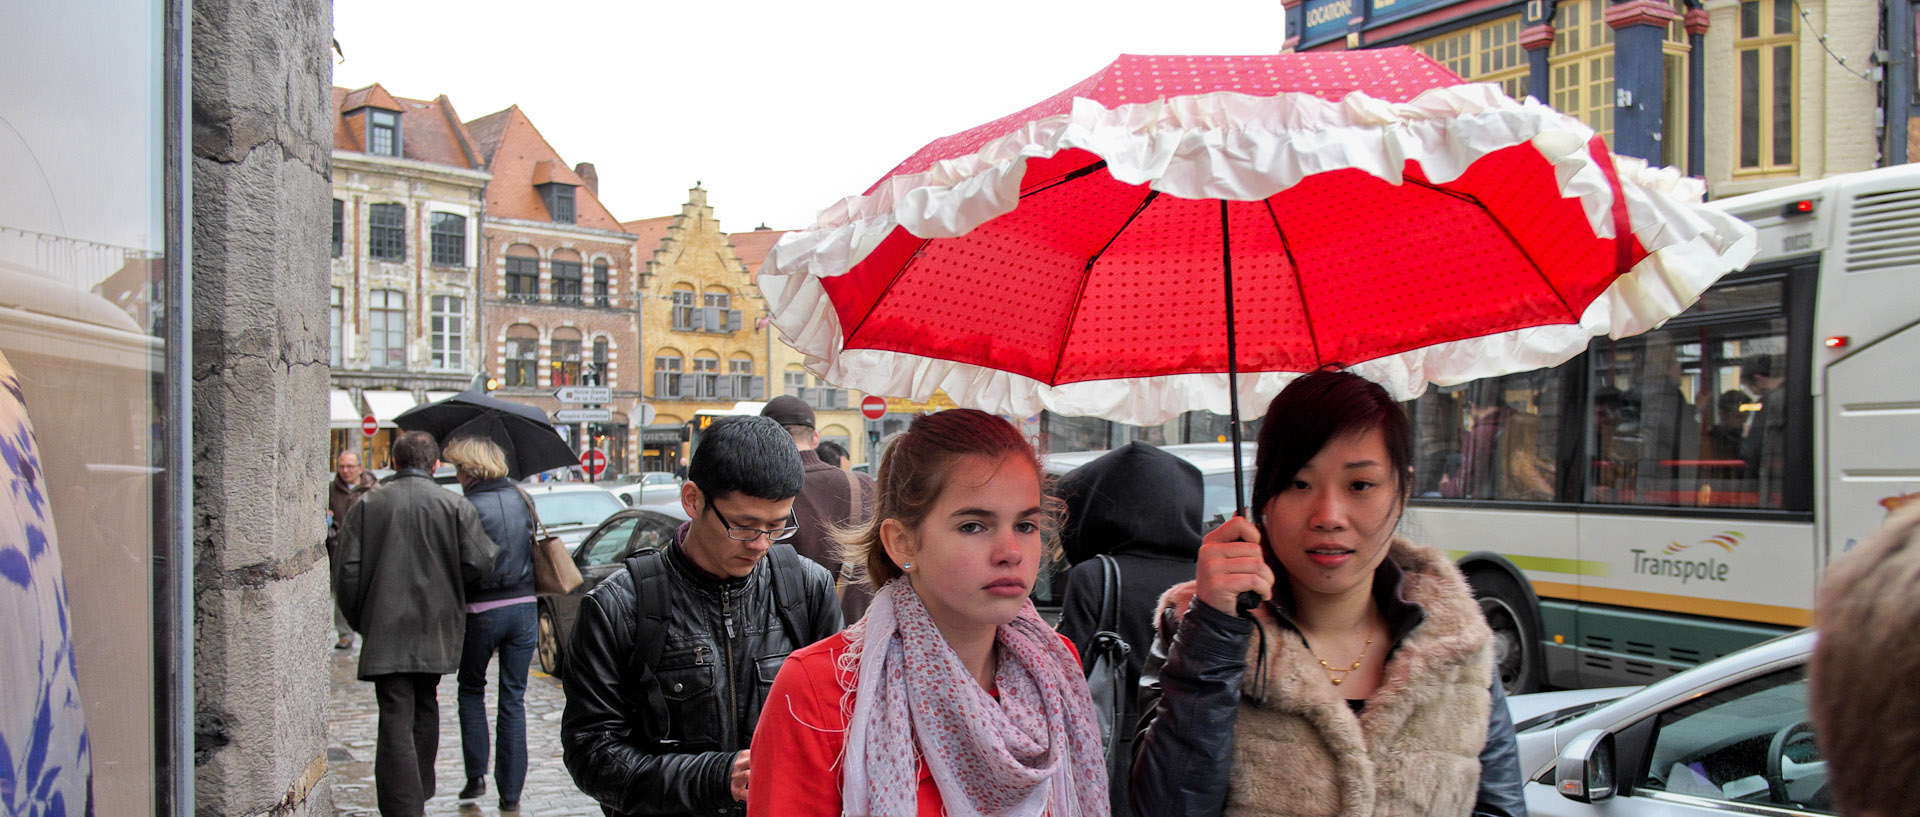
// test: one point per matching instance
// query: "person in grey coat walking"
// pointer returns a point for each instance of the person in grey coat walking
(406, 554)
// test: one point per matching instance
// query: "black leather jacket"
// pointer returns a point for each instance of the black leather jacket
(662, 739)
(1192, 684)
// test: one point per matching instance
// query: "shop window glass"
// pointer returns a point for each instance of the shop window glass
(566, 357)
(523, 356)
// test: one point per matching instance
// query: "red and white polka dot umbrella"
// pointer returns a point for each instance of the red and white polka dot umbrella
(1363, 208)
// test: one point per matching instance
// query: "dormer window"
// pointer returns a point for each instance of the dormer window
(383, 132)
(559, 200)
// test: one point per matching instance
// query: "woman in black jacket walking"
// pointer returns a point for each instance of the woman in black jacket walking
(500, 619)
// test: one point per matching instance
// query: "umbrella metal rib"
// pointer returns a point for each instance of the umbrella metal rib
(1086, 272)
(1518, 247)
(1306, 315)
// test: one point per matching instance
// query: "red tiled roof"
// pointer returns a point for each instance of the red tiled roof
(429, 131)
(514, 149)
(648, 233)
(752, 246)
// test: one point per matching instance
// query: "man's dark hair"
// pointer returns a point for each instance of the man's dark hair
(748, 455)
(415, 449)
(831, 453)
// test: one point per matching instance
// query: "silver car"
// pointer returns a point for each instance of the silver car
(1728, 736)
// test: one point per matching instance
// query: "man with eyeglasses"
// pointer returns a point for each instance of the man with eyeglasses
(672, 657)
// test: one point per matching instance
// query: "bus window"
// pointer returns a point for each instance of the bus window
(1693, 414)
(1490, 439)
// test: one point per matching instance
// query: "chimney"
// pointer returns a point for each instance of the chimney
(589, 176)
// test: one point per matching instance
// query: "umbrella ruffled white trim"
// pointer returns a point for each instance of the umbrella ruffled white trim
(1238, 147)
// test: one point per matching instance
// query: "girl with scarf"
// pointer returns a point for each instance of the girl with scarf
(951, 696)
(1318, 664)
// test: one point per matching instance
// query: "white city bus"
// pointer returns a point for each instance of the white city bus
(1668, 498)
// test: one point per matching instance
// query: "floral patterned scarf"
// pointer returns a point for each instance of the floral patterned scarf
(1035, 750)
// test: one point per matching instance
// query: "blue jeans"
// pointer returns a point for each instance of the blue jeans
(511, 632)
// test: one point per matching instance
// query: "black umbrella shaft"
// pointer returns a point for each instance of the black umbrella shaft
(1233, 367)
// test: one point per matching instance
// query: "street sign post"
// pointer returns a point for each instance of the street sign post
(873, 407)
(585, 395)
(369, 426)
(590, 415)
(594, 463)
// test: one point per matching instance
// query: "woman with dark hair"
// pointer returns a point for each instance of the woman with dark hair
(951, 696)
(1362, 680)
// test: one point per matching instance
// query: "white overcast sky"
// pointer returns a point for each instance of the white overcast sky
(778, 109)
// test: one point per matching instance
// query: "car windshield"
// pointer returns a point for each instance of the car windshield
(576, 507)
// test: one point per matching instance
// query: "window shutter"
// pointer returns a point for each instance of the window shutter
(659, 384)
(724, 388)
(839, 398)
(733, 320)
(759, 387)
(689, 385)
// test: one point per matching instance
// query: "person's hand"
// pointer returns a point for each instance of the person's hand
(738, 784)
(1232, 561)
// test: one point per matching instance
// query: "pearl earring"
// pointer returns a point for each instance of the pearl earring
(906, 565)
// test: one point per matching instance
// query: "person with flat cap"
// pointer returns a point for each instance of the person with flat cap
(830, 498)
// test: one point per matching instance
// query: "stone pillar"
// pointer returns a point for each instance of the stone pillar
(1639, 30)
(1697, 24)
(262, 129)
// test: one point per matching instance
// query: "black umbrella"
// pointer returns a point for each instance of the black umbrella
(523, 432)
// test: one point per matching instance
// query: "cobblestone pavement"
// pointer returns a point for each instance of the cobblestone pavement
(549, 791)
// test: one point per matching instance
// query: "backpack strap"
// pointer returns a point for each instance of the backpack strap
(788, 596)
(648, 570)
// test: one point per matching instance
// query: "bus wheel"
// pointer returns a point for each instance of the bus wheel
(1516, 646)
(549, 643)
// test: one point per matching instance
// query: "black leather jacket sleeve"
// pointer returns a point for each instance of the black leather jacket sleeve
(1190, 698)
(1501, 786)
(608, 753)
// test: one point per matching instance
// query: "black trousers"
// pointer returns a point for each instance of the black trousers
(409, 735)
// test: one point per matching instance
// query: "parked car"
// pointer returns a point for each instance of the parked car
(1728, 736)
(627, 532)
(571, 510)
(647, 488)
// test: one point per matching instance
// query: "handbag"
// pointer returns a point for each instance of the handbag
(553, 569)
(1106, 666)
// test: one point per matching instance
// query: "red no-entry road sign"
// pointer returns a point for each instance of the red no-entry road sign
(594, 462)
(873, 407)
(369, 425)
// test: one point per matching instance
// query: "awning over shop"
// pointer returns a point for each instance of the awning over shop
(437, 396)
(341, 411)
(385, 405)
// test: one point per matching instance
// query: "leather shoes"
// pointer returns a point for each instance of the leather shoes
(509, 805)
(475, 786)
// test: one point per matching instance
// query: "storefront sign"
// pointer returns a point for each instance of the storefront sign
(670, 435)
(1327, 18)
(1382, 9)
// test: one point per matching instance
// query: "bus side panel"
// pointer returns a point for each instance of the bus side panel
(1873, 435)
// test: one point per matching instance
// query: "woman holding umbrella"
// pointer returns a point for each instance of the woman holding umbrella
(951, 695)
(1359, 679)
(500, 619)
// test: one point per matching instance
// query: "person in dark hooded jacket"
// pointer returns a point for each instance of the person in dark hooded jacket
(1143, 507)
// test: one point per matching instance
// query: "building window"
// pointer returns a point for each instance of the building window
(449, 333)
(600, 363)
(333, 321)
(566, 357)
(383, 133)
(794, 380)
(566, 281)
(666, 377)
(716, 316)
(523, 356)
(449, 239)
(1676, 56)
(717, 300)
(523, 278)
(706, 378)
(683, 310)
(387, 329)
(387, 232)
(1581, 64)
(1764, 49)
(339, 227)
(1487, 53)
(559, 201)
(740, 371)
(602, 284)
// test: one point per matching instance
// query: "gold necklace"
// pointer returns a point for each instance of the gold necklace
(1324, 666)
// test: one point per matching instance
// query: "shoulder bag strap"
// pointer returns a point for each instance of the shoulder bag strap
(856, 512)
(1109, 594)
(535, 512)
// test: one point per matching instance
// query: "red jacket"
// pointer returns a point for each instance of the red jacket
(802, 730)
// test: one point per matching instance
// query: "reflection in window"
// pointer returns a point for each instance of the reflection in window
(383, 133)
(387, 232)
(449, 335)
(706, 381)
(339, 226)
(1728, 745)
(566, 280)
(612, 543)
(449, 239)
(523, 355)
(1691, 416)
(333, 328)
(387, 329)
(1490, 439)
(666, 377)
(602, 283)
(683, 310)
(566, 357)
(601, 375)
(523, 278)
